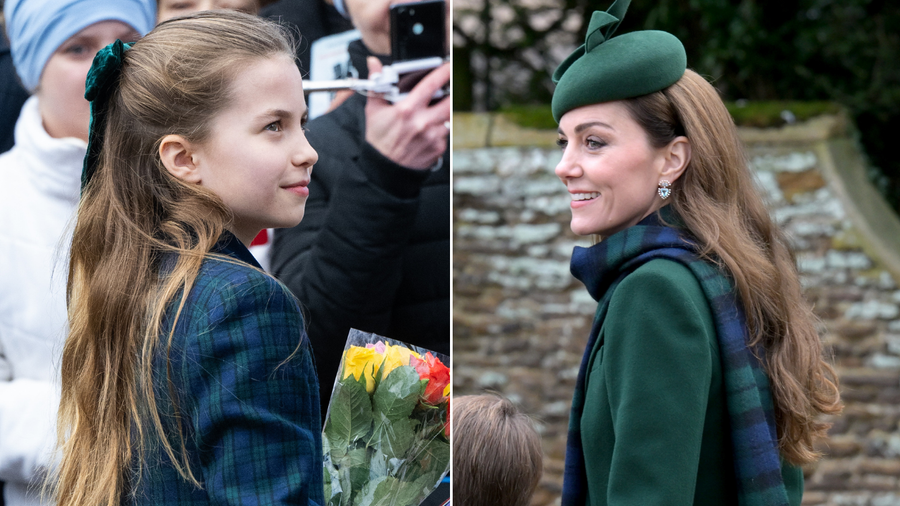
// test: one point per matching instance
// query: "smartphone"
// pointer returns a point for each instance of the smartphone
(418, 30)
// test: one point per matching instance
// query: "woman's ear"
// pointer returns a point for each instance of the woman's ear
(178, 157)
(677, 155)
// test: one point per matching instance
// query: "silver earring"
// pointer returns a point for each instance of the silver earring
(664, 191)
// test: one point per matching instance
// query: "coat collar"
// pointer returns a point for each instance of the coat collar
(56, 167)
(601, 264)
(229, 245)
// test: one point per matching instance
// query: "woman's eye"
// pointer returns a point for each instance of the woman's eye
(561, 143)
(594, 143)
(275, 126)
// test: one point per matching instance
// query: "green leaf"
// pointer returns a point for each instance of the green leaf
(326, 479)
(435, 456)
(332, 485)
(393, 438)
(398, 393)
(366, 496)
(378, 464)
(392, 492)
(350, 417)
(354, 469)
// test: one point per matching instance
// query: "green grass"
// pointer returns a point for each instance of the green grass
(769, 114)
(751, 114)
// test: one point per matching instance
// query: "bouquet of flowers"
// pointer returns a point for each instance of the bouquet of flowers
(386, 433)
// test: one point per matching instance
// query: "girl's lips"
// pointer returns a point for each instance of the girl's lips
(300, 189)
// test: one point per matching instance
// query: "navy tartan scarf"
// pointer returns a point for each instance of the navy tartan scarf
(757, 461)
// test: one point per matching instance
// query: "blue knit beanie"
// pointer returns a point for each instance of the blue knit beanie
(36, 28)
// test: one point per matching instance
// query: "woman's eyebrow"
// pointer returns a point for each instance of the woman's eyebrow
(584, 126)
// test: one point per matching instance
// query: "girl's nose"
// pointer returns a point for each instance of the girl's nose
(305, 156)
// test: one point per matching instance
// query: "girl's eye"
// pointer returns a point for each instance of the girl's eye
(275, 126)
(561, 143)
(75, 49)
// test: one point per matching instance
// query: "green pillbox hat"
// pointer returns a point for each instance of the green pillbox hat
(605, 68)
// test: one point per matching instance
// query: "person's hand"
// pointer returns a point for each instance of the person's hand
(411, 133)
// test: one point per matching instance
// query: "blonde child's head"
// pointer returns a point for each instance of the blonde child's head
(497, 456)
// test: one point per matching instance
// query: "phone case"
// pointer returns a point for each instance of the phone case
(418, 30)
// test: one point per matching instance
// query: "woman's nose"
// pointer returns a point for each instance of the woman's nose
(567, 167)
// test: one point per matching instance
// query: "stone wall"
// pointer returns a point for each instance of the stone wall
(521, 320)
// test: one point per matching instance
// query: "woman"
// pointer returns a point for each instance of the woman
(52, 43)
(168, 9)
(703, 376)
(195, 383)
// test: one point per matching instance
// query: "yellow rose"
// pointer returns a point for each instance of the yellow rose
(362, 362)
(395, 356)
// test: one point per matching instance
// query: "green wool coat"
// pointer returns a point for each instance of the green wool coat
(655, 422)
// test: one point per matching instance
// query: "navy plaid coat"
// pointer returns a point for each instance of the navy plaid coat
(250, 420)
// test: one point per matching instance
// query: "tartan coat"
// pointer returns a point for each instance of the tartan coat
(250, 418)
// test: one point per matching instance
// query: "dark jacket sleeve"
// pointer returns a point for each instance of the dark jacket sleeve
(253, 396)
(345, 259)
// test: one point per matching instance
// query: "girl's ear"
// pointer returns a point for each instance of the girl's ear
(178, 157)
(678, 155)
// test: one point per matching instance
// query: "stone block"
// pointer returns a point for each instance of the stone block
(842, 446)
(794, 183)
(886, 467)
(470, 130)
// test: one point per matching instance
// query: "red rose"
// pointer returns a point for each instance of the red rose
(447, 425)
(437, 374)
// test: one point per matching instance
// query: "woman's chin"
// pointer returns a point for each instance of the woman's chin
(583, 229)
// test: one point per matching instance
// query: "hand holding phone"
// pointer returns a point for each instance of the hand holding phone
(413, 132)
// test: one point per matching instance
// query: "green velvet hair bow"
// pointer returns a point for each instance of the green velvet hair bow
(607, 68)
(102, 79)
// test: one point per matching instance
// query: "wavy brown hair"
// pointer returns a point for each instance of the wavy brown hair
(132, 214)
(717, 200)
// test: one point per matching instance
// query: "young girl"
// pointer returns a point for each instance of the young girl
(703, 379)
(187, 377)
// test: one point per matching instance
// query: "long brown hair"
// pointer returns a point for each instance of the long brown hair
(497, 455)
(716, 198)
(132, 213)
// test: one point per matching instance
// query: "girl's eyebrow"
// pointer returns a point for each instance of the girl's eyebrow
(283, 114)
(278, 113)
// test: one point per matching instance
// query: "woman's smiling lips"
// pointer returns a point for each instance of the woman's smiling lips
(580, 199)
(300, 189)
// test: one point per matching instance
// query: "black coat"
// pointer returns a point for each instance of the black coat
(12, 96)
(313, 19)
(373, 249)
